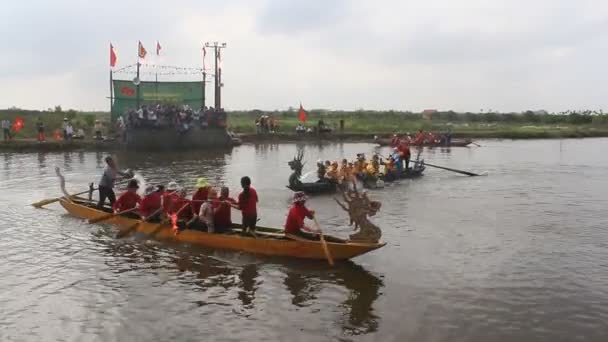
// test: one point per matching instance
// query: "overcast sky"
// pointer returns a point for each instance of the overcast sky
(336, 54)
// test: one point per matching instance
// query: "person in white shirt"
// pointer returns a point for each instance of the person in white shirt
(207, 211)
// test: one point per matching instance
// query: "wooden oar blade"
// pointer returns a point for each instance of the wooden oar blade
(42, 203)
(125, 231)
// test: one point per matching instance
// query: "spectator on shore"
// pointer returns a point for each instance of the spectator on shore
(69, 131)
(40, 129)
(64, 126)
(300, 129)
(97, 128)
(6, 129)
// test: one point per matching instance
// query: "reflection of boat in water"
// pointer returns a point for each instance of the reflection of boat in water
(269, 241)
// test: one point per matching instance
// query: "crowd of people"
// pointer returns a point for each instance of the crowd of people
(422, 137)
(180, 117)
(203, 210)
(266, 124)
(321, 127)
(346, 172)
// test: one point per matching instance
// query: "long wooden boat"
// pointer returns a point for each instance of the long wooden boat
(453, 143)
(315, 188)
(270, 242)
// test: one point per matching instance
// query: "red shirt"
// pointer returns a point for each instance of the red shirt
(222, 217)
(150, 203)
(126, 201)
(173, 202)
(198, 198)
(404, 149)
(295, 218)
(249, 205)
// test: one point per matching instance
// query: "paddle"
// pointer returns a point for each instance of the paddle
(44, 202)
(453, 170)
(476, 144)
(124, 232)
(109, 216)
(330, 260)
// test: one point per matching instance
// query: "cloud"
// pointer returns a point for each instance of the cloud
(384, 54)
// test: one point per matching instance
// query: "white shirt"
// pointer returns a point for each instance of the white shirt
(206, 215)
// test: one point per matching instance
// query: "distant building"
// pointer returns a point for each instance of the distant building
(427, 114)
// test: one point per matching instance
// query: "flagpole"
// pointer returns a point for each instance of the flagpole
(137, 85)
(111, 96)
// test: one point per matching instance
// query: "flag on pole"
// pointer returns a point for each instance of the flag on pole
(302, 113)
(113, 56)
(141, 51)
(158, 48)
(204, 55)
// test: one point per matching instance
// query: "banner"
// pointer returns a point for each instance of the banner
(179, 93)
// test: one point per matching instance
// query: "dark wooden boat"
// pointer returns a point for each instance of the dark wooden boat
(453, 143)
(315, 188)
(371, 182)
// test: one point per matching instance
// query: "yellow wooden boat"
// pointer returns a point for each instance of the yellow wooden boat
(268, 241)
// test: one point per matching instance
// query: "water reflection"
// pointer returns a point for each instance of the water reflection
(67, 161)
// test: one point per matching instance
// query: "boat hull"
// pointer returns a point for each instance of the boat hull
(454, 143)
(315, 188)
(275, 245)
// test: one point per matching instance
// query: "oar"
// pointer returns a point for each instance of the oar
(453, 170)
(158, 228)
(42, 203)
(109, 216)
(124, 232)
(330, 260)
(476, 144)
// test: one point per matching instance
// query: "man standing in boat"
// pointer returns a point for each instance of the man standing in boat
(106, 185)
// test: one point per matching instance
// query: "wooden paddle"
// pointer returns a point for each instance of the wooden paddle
(160, 225)
(476, 144)
(42, 203)
(126, 231)
(109, 216)
(453, 170)
(330, 260)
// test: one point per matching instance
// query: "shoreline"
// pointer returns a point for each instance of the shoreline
(32, 145)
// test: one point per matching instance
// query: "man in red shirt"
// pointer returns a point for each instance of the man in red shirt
(248, 201)
(151, 202)
(222, 216)
(128, 200)
(200, 195)
(298, 212)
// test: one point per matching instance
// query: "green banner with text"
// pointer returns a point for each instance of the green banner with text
(180, 93)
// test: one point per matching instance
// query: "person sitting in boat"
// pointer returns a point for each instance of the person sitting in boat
(248, 202)
(396, 155)
(419, 140)
(222, 214)
(389, 165)
(373, 168)
(360, 164)
(151, 203)
(207, 212)
(332, 173)
(129, 199)
(201, 194)
(297, 213)
(321, 170)
(343, 172)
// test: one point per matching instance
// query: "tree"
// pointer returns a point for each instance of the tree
(58, 109)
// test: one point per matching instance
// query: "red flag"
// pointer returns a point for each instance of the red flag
(113, 57)
(302, 114)
(141, 51)
(158, 48)
(18, 125)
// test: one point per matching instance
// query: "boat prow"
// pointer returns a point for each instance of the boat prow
(269, 241)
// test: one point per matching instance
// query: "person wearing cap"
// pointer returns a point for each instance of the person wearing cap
(64, 126)
(171, 199)
(200, 196)
(151, 202)
(297, 213)
(129, 199)
(106, 184)
(207, 211)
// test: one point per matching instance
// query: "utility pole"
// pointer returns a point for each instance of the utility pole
(217, 47)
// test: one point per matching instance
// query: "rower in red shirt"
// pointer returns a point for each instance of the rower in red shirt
(222, 216)
(298, 212)
(200, 195)
(151, 202)
(405, 153)
(128, 200)
(419, 138)
(248, 201)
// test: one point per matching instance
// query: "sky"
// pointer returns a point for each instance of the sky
(463, 55)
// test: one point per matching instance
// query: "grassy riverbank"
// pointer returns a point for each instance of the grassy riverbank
(358, 125)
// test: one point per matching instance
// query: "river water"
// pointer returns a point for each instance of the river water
(519, 254)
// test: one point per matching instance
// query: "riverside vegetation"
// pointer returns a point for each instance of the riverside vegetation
(524, 125)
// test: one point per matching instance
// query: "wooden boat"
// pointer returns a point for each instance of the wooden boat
(372, 182)
(315, 188)
(453, 143)
(270, 242)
